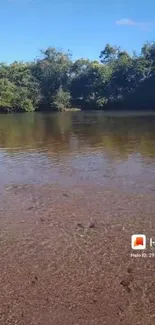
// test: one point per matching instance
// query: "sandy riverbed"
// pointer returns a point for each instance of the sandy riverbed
(65, 257)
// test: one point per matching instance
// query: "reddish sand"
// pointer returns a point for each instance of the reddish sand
(65, 257)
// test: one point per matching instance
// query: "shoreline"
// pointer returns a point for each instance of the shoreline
(65, 256)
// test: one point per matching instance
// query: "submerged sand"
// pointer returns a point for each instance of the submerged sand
(65, 256)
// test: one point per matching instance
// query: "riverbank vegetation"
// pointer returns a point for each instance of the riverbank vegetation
(56, 82)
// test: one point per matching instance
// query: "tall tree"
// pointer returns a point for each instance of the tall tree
(109, 54)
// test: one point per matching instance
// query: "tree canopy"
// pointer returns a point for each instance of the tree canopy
(56, 82)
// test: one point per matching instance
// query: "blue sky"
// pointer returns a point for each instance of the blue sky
(83, 26)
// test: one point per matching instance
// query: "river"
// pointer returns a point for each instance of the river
(74, 188)
(109, 149)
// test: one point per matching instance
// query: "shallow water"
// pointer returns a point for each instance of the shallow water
(112, 149)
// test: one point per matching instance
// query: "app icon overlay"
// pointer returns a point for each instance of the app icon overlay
(138, 241)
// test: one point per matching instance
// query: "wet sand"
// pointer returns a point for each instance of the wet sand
(65, 256)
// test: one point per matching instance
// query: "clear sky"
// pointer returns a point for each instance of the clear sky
(83, 26)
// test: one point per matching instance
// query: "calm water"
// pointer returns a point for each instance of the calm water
(71, 148)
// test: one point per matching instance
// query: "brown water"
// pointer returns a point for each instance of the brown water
(69, 148)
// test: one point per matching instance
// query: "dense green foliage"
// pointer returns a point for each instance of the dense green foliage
(55, 82)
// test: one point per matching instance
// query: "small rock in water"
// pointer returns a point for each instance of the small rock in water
(129, 270)
(13, 187)
(65, 194)
(35, 279)
(79, 224)
(126, 283)
(91, 225)
(30, 208)
(8, 188)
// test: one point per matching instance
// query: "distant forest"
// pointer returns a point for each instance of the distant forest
(56, 82)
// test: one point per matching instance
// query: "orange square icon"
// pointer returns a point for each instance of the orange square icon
(138, 241)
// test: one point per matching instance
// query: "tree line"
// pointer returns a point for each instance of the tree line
(56, 82)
